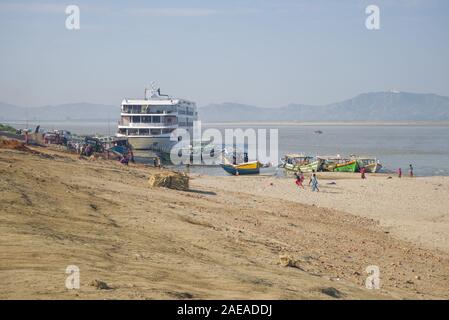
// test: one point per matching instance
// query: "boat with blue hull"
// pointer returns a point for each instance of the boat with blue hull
(252, 167)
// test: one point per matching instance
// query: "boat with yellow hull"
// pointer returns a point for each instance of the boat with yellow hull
(252, 167)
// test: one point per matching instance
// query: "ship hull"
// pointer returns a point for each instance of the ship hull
(150, 142)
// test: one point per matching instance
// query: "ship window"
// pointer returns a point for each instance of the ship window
(136, 119)
(146, 119)
(132, 131)
(122, 131)
(157, 119)
(167, 130)
(144, 132)
(155, 131)
(136, 109)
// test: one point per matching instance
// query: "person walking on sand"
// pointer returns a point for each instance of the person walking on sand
(311, 177)
(299, 179)
(362, 173)
(410, 171)
(315, 183)
(399, 173)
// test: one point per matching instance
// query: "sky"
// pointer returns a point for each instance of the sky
(268, 53)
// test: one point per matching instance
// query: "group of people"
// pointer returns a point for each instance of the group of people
(84, 149)
(410, 172)
(313, 181)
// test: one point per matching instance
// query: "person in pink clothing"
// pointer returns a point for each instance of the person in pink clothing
(399, 173)
(362, 173)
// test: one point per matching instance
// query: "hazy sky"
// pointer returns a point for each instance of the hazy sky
(267, 52)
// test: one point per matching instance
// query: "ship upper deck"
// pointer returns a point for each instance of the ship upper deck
(157, 102)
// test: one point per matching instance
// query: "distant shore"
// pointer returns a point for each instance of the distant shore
(112, 122)
(332, 123)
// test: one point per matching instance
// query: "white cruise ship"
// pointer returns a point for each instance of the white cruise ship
(148, 122)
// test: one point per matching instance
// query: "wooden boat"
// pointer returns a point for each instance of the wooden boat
(121, 150)
(296, 162)
(252, 167)
(346, 165)
(370, 164)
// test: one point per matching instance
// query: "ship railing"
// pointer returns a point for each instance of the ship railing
(143, 125)
(149, 112)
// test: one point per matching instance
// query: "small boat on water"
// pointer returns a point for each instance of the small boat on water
(252, 167)
(296, 162)
(370, 164)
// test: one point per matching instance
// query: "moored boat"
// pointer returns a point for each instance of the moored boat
(296, 162)
(148, 123)
(370, 164)
(346, 165)
(252, 167)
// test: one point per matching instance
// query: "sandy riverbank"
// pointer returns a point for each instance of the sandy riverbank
(221, 239)
(412, 209)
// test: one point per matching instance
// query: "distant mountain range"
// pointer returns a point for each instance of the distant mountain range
(70, 111)
(376, 106)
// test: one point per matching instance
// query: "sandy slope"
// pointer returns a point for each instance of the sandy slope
(413, 209)
(212, 242)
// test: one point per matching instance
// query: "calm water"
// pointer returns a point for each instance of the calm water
(426, 147)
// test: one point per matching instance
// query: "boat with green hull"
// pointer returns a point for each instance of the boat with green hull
(297, 162)
(347, 166)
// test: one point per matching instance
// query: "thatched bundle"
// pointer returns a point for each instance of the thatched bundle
(169, 179)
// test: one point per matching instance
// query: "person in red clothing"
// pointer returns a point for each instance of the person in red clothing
(299, 179)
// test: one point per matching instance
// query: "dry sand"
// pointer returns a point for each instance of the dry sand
(221, 239)
(414, 209)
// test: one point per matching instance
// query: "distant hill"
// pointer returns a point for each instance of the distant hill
(378, 106)
(71, 111)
